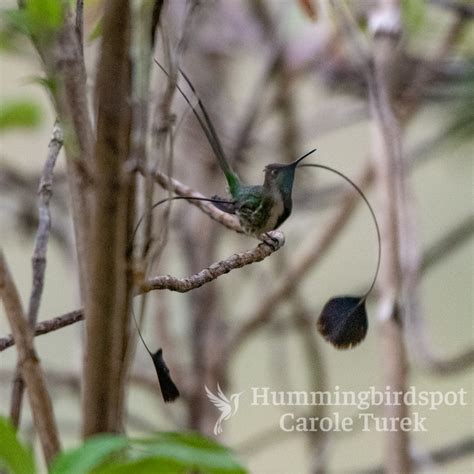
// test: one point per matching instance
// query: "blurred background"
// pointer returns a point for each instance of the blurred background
(278, 79)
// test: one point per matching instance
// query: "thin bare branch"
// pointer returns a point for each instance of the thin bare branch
(31, 370)
(167, 282)
(49, 325)
(238, 260)
(38, 260)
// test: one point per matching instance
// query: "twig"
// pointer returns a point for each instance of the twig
(239, 260)
(39, 258)
(49, 325)
(32, 373)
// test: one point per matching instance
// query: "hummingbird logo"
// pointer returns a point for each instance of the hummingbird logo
(228, 408)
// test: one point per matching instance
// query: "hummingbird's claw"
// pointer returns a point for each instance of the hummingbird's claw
(274, 239)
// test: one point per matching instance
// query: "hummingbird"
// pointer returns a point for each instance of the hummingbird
(262, 208)
(259, 208)
(265, 207)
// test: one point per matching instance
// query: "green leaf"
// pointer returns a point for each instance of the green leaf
(190, 451)
(13, 454)
(19, 113)
(167, 453)
(91, 454)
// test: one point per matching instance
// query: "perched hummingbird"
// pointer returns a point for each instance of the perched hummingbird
(265, 207)
(262, 208)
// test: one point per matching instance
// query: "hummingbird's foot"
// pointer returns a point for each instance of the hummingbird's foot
(274, 239)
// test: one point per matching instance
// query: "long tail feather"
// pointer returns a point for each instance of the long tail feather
(209, 130)
(168, 388)
(343, 320)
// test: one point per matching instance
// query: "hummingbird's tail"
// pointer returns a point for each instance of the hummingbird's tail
(343, 320)
(168, 388)
(213, 199)
(209, 130)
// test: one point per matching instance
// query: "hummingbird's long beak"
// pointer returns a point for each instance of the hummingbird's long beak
(295, 163)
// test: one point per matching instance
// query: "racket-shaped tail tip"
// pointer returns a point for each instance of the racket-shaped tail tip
(168, 389)
(343, 321)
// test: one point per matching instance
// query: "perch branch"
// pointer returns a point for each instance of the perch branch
(238, 260)
(166, 282)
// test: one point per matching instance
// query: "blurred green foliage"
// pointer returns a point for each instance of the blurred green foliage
(14, 456)
(38, 18)
(19, 113)
(113, 454)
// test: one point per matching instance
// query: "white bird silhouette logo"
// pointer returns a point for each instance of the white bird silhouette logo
(227, 407)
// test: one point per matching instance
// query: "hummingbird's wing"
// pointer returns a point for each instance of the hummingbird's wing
(224, 205)
(222, 405)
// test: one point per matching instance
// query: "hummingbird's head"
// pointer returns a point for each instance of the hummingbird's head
(281, 176)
